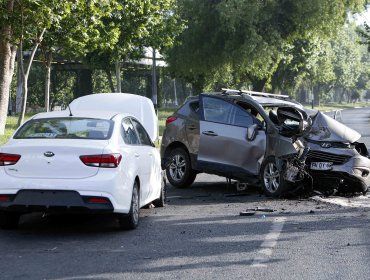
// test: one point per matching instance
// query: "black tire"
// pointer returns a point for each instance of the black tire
(161, 201)
(9, 220)
(131, 220)
(272, 181)
(179, 172)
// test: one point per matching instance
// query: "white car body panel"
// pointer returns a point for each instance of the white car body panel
(64, 165)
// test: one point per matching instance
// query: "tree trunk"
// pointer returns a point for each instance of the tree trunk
(18, 95)
(118, 75)
(49, 59)
(7, 58)
(198, 85)
(259, 85)
(25, 73)
(316, 95)
(83, 83)
(341, 95)
(110, 80)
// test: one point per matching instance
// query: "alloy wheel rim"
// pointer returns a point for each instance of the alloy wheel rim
(271, 176)
(177, 167)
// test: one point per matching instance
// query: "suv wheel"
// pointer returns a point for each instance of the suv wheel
(179, 172)
(273, 184)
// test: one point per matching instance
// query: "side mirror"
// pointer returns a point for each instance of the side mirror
(252, 132)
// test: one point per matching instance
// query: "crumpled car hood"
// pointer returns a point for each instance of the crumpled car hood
(325, 128)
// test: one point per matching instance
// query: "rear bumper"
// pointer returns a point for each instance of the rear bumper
(26, 201)
(116, 186)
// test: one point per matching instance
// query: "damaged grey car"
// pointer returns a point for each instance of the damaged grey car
(263, 139)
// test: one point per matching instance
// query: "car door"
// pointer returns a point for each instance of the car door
(192, 127)
(223, 145)
(147, 161)
(131, 137)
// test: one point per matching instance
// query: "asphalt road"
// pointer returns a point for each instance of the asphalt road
(200, 234)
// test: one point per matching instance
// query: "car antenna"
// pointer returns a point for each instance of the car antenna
(70, 112)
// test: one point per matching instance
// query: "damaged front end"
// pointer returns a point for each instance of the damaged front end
(327, 155)
(284, 169)
(337, 161)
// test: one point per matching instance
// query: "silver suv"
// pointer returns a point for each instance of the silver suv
(256, 138)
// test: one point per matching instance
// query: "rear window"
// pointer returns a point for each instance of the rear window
(66, 128)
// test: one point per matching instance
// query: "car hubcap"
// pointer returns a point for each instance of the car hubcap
(271, 177)
(177, 167)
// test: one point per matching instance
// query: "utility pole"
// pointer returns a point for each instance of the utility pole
(154, 80)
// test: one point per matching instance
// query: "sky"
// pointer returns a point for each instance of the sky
(364, 17)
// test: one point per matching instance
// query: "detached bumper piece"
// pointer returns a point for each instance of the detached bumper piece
(27, 201)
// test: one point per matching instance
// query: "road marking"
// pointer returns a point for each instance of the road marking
(269, 243)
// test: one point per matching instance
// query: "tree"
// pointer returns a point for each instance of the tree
(80, 31)
(340, 64)
(23, 24)
(252, 38)
(152, 23)
(7, 58)
(347, 63)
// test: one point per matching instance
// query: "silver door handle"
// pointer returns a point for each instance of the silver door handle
(209, 133)
(137, 155)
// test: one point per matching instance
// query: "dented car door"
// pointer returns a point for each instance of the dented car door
(224, 145)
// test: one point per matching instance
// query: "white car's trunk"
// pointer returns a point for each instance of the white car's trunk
(37, 160)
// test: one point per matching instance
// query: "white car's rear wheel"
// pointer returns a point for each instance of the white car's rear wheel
(131, 220)
(9, 220)
(161, 201)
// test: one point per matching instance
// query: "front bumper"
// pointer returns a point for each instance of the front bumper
(354, 175)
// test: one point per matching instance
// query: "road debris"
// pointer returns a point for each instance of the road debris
(261, 210)
(247, 213)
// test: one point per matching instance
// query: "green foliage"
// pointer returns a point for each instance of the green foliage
(82, 28)
(253, 39)
(138, 24)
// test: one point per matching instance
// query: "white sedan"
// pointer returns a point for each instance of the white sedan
(81, 160)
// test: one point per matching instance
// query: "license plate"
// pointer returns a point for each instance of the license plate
(321, 165)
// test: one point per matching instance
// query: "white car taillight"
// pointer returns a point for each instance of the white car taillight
(105, 161)
(8, 159)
